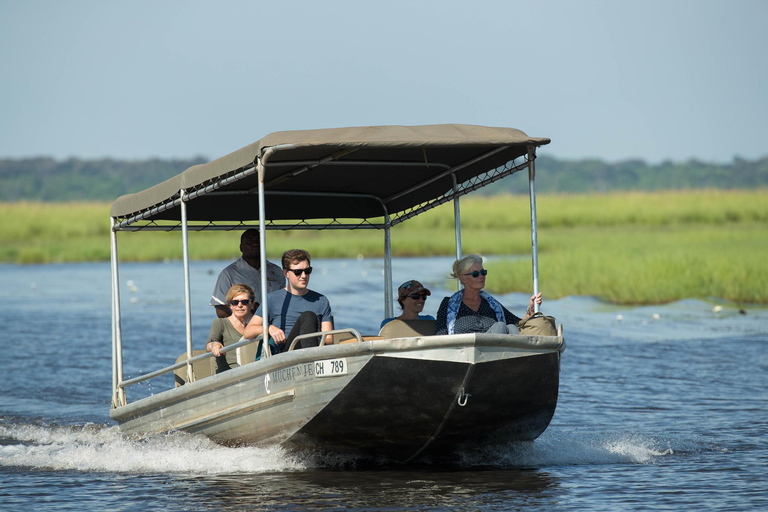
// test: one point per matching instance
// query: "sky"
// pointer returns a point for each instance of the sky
(615, 80)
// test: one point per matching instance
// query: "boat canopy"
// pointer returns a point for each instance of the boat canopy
(370, 177)
(362, 173)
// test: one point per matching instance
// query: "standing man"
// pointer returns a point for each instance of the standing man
(295, 309)
(246, 270)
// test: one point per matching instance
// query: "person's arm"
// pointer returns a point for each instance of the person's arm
(256, 327)
(327, 326)
(215, 339)
(512, 319)
(538, 298)
(326, 321)
(442, 317)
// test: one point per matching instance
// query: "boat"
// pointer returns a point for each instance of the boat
(399, 395)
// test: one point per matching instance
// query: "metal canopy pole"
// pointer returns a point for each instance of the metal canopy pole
(534, 239)
(265, 350)
(457, 221)
(388, 308)
(187, 297)
(118, 394)
(261, 172)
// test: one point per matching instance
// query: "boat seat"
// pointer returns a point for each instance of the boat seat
(202, 369)
(408, 328)
(248, 352)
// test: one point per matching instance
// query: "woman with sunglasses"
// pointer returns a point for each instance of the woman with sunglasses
(411, 296)
(473, 310)
(229, 330)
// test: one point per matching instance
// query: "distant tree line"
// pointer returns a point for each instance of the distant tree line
(47, 179)
(578, 176)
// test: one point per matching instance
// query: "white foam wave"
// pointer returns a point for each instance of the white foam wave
(101, 448)
(105, 449)
(558, 447)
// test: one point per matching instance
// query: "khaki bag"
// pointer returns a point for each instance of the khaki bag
(538, 325)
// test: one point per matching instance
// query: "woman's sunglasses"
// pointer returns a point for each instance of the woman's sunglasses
(244, 302)
(417, 296)
(298, 271)
(476, 273)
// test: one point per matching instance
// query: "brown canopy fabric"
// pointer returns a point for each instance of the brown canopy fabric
(352, 173)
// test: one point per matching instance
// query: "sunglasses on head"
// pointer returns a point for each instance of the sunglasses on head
(476, 273)
(417, 296)
(244, 302)
(298, 271)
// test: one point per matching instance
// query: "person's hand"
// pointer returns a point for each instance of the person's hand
(277, 334)
(534, 298)
(216, 348)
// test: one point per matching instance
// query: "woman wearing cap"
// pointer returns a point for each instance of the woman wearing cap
(473, 310)
(411, 296)
(229, 330)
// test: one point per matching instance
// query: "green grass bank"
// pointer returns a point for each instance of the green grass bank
(629, 248)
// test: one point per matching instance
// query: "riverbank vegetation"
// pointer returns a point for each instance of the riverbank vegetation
(74, 179)
(631, 248)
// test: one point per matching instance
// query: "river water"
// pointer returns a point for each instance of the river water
(660, 408)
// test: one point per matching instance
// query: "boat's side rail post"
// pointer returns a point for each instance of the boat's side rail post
(324, 335)
(187, 295)
(534, 236)
(456, 219)
(118, 394)
(388, 298)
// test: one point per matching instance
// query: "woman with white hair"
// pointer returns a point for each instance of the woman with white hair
(473, 310)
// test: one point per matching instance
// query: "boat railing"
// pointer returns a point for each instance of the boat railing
(141, 378)
(168, 369)
(324, 335)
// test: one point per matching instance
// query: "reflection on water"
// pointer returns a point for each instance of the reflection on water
(372, 489)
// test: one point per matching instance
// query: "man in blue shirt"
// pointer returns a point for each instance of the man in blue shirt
(295, 309)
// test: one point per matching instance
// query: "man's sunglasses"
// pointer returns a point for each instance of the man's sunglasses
(298, 271)
(417, 296)
(476, 273)
(244, 302)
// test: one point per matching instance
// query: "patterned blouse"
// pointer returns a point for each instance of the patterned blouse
(469, 321)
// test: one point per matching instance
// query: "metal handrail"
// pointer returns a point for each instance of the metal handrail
(234, 346)
(176, 366)
(324, 334)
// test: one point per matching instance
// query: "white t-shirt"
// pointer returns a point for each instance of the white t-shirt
(240, 272)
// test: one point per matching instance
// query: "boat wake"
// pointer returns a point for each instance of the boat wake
(106, 449)
(100, 448)
(558, 447)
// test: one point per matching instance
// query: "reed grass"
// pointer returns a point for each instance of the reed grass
(621, 247)
(645, 265)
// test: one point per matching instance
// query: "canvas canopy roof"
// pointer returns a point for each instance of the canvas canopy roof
(351, 173)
